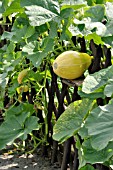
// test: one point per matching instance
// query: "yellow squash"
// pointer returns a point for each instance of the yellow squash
(21, 89)
(21, 75)
(71, 64)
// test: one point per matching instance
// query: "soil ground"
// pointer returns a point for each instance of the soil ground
(23, 162)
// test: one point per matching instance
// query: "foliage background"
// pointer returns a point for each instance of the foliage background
(32, 35)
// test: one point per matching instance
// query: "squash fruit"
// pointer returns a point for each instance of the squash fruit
(71, 64)
(23, 88)
(21, 75)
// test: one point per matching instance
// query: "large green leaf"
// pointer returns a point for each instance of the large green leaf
(86, 26)
(87, 167)
(30, 31)
(93, 95)
(109, 10)
(93, 156)
(96, 38)
(73, 4)
(17, 110)
(100, 126)
(71, 120)
(16, 126)
(108, 40)
(108, 90)
(29, 47)
(109, 30)
(37, 57)
(53, 30)
(7, 35)
(47, 44)
(10, 130)
(40, 12)
(99, 28)
(18, 34)
(51, 5)
(96, 13)
(95, 81)
(13, 8)
(30, 124)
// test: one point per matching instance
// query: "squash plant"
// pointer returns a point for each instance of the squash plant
(32, 35)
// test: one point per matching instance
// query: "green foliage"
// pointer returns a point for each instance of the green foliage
(40, 12)
(96, 13)
(71, 120)
(99, 126)
(87, 167)
(96, 127)
(18, 123)
(91, 155)
(3, 83)
(14, 7)
(33, 33)
(95, 81)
